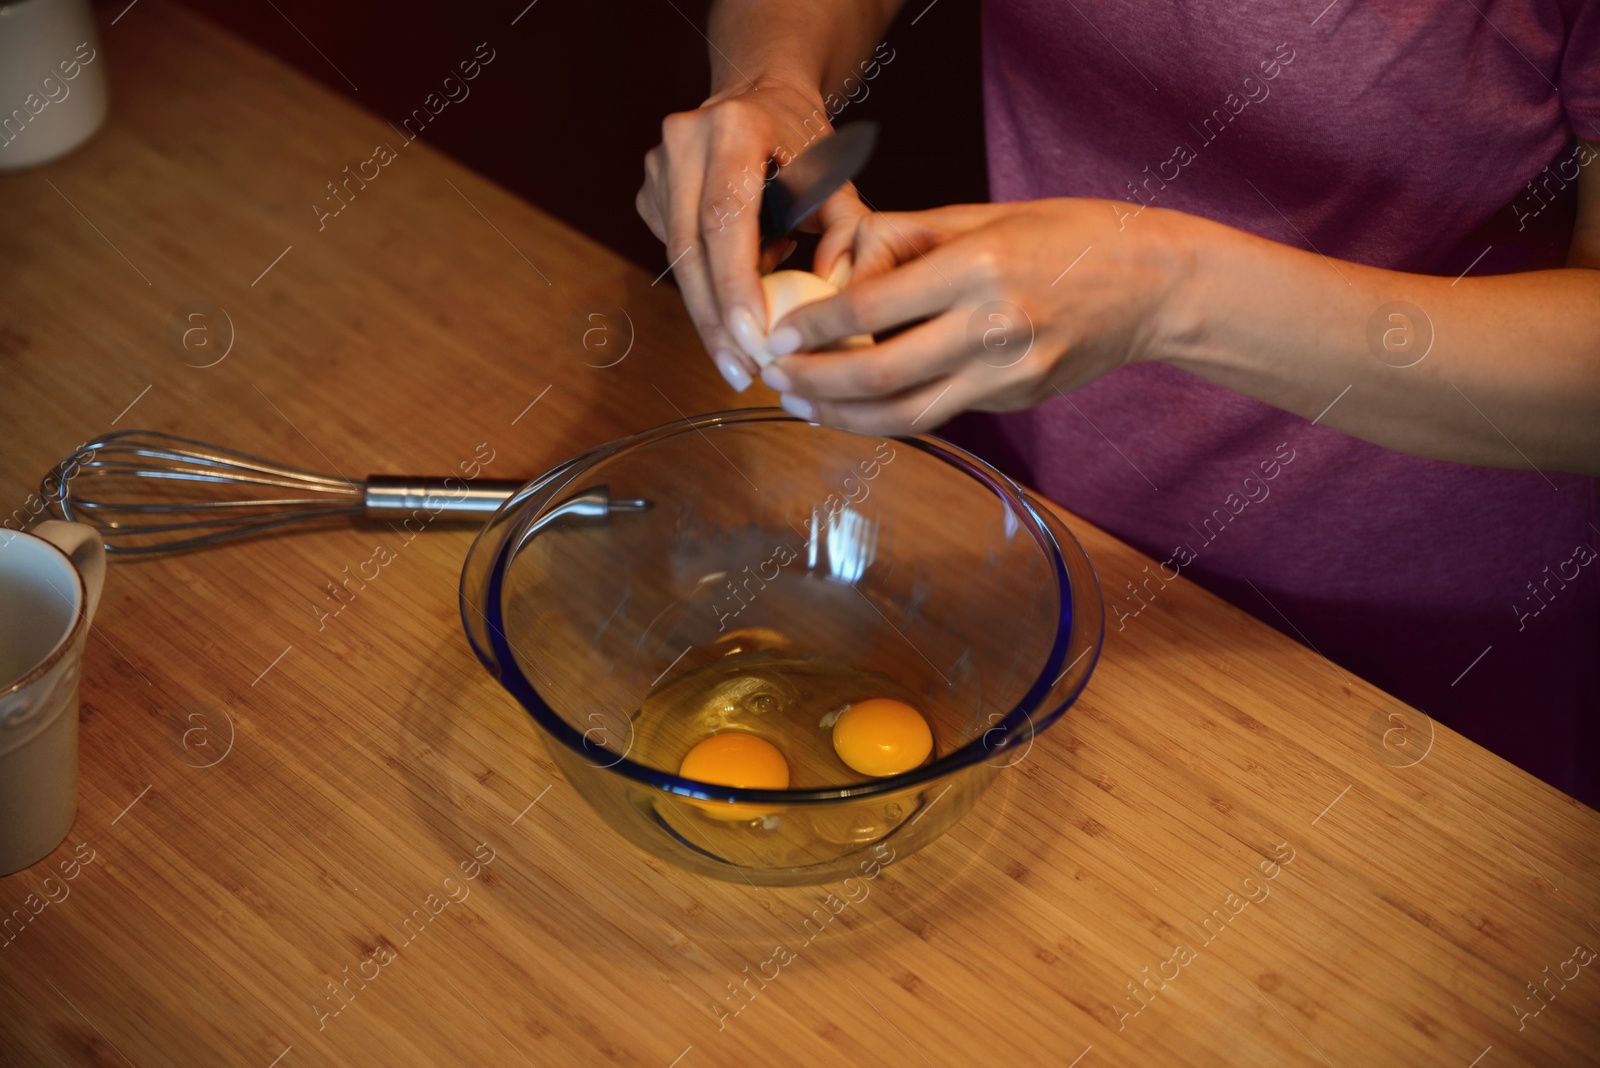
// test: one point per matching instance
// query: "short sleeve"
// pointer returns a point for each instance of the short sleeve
(1580, 70)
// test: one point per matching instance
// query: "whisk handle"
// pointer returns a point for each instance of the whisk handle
(401, 496)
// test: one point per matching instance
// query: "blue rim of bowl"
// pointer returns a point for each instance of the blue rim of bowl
(513, 680)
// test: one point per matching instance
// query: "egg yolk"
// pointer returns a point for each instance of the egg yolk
(736, 759)
(882, 737)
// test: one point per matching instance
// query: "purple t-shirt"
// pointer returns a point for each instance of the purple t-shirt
(1408, 136)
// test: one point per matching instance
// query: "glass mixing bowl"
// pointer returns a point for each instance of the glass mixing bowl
(687, 580)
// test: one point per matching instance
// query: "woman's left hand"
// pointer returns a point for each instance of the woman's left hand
(1003, 305)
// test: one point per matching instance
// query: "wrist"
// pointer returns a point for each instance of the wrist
(1180, 253)
(787, 81)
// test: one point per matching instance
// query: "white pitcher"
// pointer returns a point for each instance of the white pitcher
(52, 80)
(50, 582)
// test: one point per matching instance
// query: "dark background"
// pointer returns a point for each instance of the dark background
(577, 90)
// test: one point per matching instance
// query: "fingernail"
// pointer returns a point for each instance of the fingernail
(798, 407)
(747, 331)
(784, 340)
(789, 251)
(728, 363)
(776, 379)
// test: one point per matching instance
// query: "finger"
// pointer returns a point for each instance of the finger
(730, 229)
(683, 168)
(916, 411)
(736, 368)
(836, 221)
(647, 202)
(694, 284)
(918, 289)
(885, 240)
(843, 204)
(918, 356)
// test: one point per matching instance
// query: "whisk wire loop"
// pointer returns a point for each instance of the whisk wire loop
(148, 492)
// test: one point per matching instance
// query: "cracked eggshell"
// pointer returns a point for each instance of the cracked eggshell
(788, 290)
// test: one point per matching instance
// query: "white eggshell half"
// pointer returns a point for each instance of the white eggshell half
(788, 290)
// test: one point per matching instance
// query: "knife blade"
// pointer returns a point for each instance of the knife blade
(811, 177)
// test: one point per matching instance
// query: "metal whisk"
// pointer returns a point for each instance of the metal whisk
(148, 493)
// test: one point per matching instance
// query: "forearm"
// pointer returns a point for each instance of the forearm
(1503, 370)
(812, 46)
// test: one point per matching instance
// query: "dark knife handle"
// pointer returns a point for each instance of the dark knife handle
(774, 209)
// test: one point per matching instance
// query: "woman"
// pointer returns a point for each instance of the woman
(1224, 246)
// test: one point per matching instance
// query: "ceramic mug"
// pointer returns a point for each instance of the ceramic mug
(52, 80)
(50, 582)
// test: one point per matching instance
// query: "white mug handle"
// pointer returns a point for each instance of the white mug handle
(87, 551)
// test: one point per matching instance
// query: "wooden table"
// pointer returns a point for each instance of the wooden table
(269, 796)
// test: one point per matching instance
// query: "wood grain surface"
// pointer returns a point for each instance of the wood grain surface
(309, 838)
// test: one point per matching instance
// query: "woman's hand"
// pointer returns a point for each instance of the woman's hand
(1003, 305)
(702, 196)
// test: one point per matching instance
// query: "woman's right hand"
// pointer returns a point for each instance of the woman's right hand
(702, 197)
